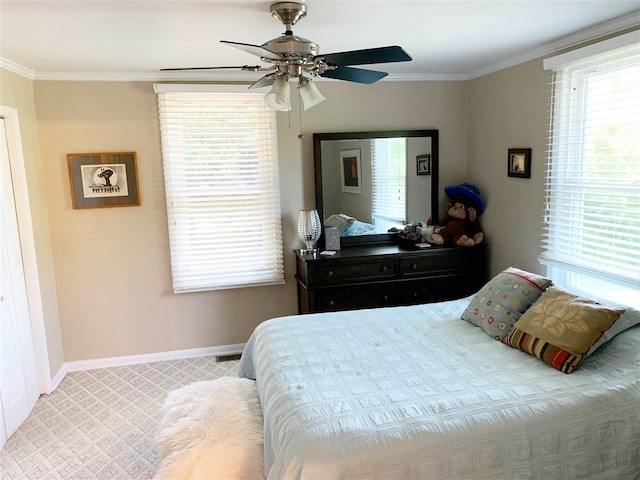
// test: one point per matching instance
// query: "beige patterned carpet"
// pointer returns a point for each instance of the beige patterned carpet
(99, 424)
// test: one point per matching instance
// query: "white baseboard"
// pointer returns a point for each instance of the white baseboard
(57, 378)
(80, 365)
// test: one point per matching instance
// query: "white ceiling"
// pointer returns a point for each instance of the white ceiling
(101, 39)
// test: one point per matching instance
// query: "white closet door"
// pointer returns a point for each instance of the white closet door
(18, 373)
(3, 433)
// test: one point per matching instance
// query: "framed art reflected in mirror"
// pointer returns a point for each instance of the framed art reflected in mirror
(423, 164)
(350, 169)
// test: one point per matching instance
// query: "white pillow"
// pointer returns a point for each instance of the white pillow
(628, 319)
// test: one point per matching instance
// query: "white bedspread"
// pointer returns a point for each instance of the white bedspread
(415, 392)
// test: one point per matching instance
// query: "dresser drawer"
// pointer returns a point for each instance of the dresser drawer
(432, 290)
(456, 259)
(353, 297)
(378, 269)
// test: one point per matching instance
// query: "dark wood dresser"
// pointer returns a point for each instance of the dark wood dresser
(386, 275)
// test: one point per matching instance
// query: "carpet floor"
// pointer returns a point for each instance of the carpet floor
(100, 424)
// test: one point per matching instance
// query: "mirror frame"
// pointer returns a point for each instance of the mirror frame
(380, 238)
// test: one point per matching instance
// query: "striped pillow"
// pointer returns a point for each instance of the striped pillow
(560, 328)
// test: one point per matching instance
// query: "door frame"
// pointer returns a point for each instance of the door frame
(27, 243)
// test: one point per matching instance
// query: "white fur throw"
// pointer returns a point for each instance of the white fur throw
(211, 430)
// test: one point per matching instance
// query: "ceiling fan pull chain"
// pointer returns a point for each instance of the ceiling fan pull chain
(289, 119)
(300, 136)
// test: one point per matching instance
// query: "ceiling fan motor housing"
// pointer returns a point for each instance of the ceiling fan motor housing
(288, 12)
(292, 45)
(288, 44)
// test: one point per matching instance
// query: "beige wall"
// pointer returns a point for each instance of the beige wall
(112, 264)
(17, 92)
(509, 109)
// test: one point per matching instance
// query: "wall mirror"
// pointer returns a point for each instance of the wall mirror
(369, 182)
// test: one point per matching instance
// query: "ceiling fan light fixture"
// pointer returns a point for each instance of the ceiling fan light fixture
(309, 92)
(279, 97)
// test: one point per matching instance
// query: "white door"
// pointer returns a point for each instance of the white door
(18, 371)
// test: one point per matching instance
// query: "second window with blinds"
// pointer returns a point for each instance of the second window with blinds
(389, 182)
(592, 212)
(221, 174)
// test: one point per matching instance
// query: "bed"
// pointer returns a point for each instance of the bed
(416, 392)
(350, 226)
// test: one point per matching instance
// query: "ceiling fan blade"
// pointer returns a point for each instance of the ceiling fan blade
(265, 81)
(358, 75)
(367, 56)
(248, 68)
(254, 50)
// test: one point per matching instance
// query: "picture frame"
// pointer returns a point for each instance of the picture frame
(332, 238)
(423, 164)
(103, 180)
(351, 171)
(519, 162)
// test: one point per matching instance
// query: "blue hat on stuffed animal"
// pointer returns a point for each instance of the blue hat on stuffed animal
(469, 191)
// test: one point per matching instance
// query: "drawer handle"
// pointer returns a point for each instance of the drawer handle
(385, 298)
(414, 266)
(384, 268)
(329, 273)
(414, 294)
(331, 303)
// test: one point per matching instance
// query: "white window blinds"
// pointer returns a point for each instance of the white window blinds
(592, 210)
(389, 173)
(221, 180)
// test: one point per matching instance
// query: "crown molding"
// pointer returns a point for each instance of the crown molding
(16, 68)
(625, 22)
(145, 76)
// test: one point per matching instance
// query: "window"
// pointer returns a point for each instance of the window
(389, 186)
(592, 212)
(221, 179)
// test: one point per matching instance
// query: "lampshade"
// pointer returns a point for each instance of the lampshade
(309, 229)
(310, 94)
(279, 97)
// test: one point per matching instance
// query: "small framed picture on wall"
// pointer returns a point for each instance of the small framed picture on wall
(519, 162)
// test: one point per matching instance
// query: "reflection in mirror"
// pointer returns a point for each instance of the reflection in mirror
(370, 182)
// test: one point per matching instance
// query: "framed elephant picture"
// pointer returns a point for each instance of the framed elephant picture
(103, 180)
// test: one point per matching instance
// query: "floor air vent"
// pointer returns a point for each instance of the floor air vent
(226, 358)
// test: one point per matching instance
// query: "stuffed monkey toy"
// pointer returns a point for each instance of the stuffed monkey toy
(461, 226)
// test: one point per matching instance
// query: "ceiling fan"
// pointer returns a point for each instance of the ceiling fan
(290, 56)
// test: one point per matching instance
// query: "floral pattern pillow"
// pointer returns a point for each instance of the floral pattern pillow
(499, 304)
(560, 328)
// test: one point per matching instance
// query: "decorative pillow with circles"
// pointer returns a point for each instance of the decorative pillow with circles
(500, 303)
